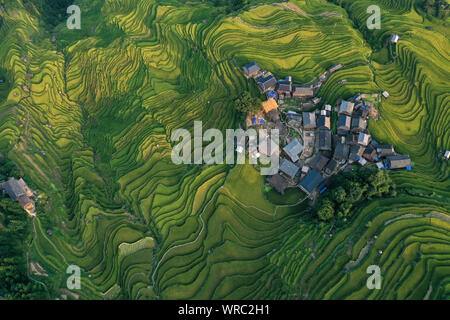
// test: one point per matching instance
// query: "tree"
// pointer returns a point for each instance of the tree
(339, 194)
(347, 190)
(326, 211)
(246, 103)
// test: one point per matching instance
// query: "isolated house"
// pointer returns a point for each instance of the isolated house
(293, 149)
(398, 162)
(251, 69)
(19, 191)
(311, 182)
(447, 155)
(309, 120)
(267, 82)
(395, 38)
(346, 107)
(288, 168)
(14, 189)
(324, 140)
(386, 94)
(335, 67)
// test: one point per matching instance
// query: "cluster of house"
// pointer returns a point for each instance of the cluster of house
(309, 162)
(19, 191)
(284, 88)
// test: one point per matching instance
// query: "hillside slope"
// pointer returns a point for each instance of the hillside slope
(91, 129)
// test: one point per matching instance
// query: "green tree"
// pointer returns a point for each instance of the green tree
(339, 194)
(326, 211)
(246, 103)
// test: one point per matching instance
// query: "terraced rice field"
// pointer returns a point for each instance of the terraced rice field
(92, 133)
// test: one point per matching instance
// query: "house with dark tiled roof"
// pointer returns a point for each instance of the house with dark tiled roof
(324, 140)
(398, 162)
(370, 154)
(293, 149)
(251, 69)
(356, 152)
(288, 168)
(364, 139)
(303, 92)
(341, 152)
(278, 182)
(331, 166)
(346, 107)
(19, 191)
(324, 122)
(284, 87)
(319, 162)
(309, 120)
(311, 182)
(358, 124)
(267, 82)
(344, 124)
(385, 150)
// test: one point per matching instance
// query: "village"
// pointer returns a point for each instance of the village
(311, 150)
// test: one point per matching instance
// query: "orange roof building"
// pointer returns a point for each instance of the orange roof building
(270, 105)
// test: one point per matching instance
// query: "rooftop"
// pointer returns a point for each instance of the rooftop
(251, 68)
(398, 162)
(293, 149)
(14, 188)
(288, 168)
(278, 182)
(346, 107)
(303, 91)
(325, 140)
(319, 162)
(311, 181)
(309, 119)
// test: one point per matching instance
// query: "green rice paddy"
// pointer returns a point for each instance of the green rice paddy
(92, 134)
